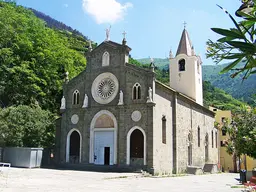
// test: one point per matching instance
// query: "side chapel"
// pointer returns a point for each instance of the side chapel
(115, 113)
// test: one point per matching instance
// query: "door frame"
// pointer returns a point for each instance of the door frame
(128, 145)
(112, 130)
(92, 130)
(68, 144)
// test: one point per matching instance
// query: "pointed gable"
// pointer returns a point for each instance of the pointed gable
(185, 45)
(112, 44)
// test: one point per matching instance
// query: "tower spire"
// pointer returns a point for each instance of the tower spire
(185, 45)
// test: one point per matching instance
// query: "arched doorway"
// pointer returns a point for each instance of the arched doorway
(73, 148)
(136, 147)
(103, 139)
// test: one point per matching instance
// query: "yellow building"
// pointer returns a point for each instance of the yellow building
(225, 159)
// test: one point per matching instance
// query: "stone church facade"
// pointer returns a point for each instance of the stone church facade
(115, 113)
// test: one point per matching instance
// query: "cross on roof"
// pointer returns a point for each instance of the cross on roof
(185, 24)
(124, 33)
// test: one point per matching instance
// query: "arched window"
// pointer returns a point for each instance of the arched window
(164, 129)
(136, 91)
(76, 95)
(206, 148)
(190, 140)
(216, 139)
(212, 140)
(198, 136)
(182, 65)
(105, 59)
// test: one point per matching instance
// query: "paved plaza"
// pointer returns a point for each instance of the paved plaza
(48, 180)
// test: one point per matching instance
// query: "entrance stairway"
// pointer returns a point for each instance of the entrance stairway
(208, 168)
(102, 168)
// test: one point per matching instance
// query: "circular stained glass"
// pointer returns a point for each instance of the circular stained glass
(104, 88)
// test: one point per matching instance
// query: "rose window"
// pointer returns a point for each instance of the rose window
(106, 88)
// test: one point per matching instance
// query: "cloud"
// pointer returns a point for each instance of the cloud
(106, 11)
(65, 5)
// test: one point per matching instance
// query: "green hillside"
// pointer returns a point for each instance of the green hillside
(160, 63)
(34, 58)
(242, 90)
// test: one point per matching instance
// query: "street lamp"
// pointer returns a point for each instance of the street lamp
(246, 7)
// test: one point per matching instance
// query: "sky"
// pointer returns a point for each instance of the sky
(153, 27)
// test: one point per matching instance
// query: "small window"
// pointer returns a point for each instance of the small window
(224, 131)
(136, 91)
(164, 129)
(216, 139)
(223, 119)
(105, 59)
(76, 95)
(214, 109)
(198, 68)
(212, 140)
(222, 143)
(182, 65)
(198, 136)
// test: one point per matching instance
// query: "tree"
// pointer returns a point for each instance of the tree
(236, 45)
(33, 59)
(25, 126)
(245, 124)
(241, 135)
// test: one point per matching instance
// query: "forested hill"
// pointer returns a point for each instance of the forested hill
(242, 90)
(34, 58)
(53, 23)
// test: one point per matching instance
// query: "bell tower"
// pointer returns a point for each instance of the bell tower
(186, 70)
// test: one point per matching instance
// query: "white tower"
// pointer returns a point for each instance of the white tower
(186, 70)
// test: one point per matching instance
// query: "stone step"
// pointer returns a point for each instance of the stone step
(102, 168)
(211, 168)
(195, 170)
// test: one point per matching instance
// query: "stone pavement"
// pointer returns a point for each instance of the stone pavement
(48, 180)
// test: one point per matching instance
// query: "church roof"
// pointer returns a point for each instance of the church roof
(185, 45)
(185, 97)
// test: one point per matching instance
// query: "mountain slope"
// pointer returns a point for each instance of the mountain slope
(243, 90)
(53, 23)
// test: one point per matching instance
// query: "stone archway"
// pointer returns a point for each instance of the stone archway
(73, 146)
(136, 147)
(103, 139)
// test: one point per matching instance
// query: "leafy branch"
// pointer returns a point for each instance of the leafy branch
(236, 45)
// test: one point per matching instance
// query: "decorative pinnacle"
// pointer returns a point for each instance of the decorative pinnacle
(90, 46)
(124, 34)
(124, 40)
(108, 33)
